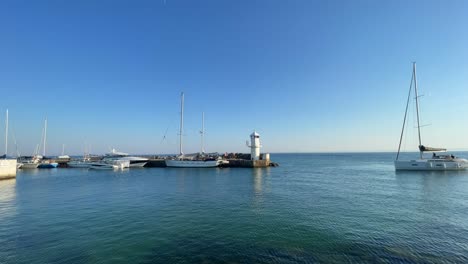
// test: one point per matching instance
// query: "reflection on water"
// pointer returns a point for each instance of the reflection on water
(7, 198)
(258, 180)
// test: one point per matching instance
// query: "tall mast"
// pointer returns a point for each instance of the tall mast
(417, 107)
(6, 134)
(181, 122)
(404, 118)
(45, 136)
(202, 132)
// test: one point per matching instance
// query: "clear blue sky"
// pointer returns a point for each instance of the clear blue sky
(309, 76)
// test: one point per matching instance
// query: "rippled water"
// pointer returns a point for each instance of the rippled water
(313, 208)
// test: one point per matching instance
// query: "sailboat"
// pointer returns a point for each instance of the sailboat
(191, 161)
(7, 166)
(46, 163)
(63, 158)
(437, 162)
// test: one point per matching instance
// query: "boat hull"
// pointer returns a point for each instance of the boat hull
(431, 165)
(137, 164)
(103, 166)
(48, 165)
(192, 163)
(7, 168)
(82, 165)
(29, 166)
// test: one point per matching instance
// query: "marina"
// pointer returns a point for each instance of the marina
(120, 160)
(232, 132)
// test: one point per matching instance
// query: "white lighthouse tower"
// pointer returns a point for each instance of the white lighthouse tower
(254, 146)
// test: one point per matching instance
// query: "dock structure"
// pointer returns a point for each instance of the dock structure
(235, 160)
(241, 163)
(7, 169)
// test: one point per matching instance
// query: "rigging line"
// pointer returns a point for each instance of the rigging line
(16, 143)
(40, 142)
(164, 137)
(406, 112)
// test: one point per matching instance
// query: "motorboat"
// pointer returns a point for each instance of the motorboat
(123, 158)
(102, 166)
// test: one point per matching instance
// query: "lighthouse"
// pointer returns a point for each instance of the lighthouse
(254, 146)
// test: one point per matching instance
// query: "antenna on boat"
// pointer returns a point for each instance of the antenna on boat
(181, 122)
(6, 134)
(164, 137)
(202, 132)
(45, 137)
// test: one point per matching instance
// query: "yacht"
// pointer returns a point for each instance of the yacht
(436, 162)
(29, 162)
(84, 163)
(125, 159)
(191, 161)
(102, 166)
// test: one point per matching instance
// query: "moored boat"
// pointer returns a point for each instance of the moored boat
(79, 164)
(29, 165)
(124, 159)
(192, 161)
(102, 166)
(443, 162)
(47, 164)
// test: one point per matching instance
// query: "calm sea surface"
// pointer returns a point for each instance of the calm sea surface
(313, 208)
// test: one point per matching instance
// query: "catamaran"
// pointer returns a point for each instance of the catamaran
(439, 162)
(191, 161)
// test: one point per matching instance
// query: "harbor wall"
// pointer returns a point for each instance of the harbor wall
(7, 169)
(241, 163)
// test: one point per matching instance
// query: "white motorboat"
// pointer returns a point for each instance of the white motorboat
(443, 162)
(124, 158)
(29, 165)
(30, 162)
(7, 166)
(102, 166)
(194, 161)
(79, 164)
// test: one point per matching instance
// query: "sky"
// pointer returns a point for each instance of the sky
(308, 76)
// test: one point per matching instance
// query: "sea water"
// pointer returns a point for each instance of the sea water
(327, 208)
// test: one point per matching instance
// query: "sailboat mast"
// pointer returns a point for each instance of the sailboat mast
(181, 122)
(202, 132)
(404, 118)
(6, 134)
(417, 106)
(45, 136)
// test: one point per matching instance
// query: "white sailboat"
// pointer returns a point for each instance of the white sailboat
(436, 162)
(191, 161)
(46, 163)
(7, 166)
